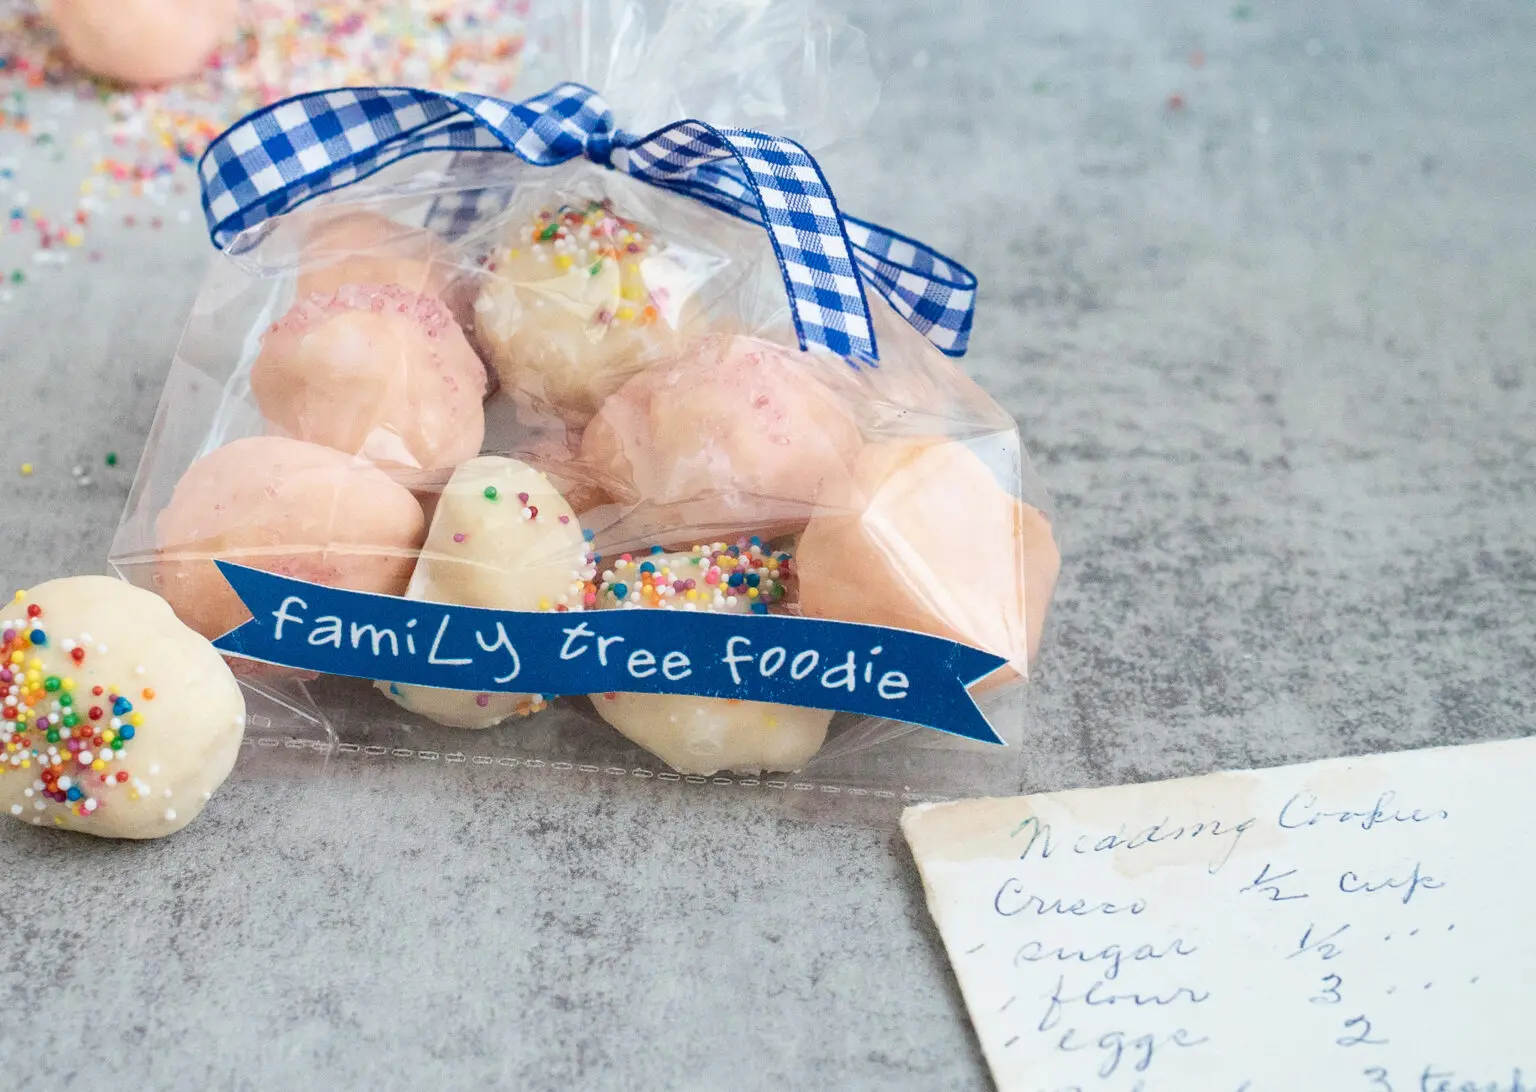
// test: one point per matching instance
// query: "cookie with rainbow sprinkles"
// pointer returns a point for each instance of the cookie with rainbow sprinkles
(116, 719)
(575, 297)
(502, 537)
(697, 735)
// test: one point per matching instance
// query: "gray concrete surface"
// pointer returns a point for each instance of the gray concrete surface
(1273, 354)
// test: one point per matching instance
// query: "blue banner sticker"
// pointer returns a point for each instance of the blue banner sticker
(843, 666)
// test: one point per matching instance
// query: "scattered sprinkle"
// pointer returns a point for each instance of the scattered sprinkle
(137, 148)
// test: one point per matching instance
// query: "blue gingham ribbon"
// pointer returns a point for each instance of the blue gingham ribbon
(285, 154)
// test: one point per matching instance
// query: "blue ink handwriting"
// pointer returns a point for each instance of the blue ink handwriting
(1267, 884)
(1360, 1036)
(1352, 884)
(1329, 995)
(1040, 834)
(1096, 996)
(1114, 954)
(1303, 810)
(1321, 945)
(1116, 1044)
(1011, 899)
(1431, 1081)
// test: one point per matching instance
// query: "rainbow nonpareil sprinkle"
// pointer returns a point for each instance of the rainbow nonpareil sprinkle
(594, 239)
(66, 134)
(741, 578)
(71, 742)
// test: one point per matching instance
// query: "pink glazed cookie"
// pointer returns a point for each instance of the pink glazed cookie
(374, 370)
(366, 248)
(926, 540)
(288, 507)
(142, 41)
(739, 435)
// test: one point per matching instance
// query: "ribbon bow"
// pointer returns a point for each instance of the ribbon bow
(283, 155)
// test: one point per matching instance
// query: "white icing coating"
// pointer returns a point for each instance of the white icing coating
(502, 537)
(706, 735)
(697, 735)
(575, 298)
(461, 708)
(140, 766)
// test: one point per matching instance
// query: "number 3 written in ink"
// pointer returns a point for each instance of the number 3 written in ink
(1329, 995)
(1379, 1082)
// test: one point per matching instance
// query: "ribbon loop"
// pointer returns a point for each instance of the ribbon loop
(286, 154)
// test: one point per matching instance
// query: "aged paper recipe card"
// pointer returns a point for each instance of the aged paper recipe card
(1356, 925)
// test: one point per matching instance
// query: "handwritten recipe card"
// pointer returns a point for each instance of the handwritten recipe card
(1358, 925)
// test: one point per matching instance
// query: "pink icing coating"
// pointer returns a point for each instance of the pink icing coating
(376, 370)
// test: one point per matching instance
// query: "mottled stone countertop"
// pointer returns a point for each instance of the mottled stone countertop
(1270, 343)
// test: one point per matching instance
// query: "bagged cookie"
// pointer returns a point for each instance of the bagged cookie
(589, 431)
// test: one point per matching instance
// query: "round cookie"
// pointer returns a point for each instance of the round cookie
(697, 735)
(738, 433)
(374, 370)
(366, 248)
(116, 720)
(926, 540)
(702, 736)
(142, 41)
(576, 299)
(288, 507)
(502, 537)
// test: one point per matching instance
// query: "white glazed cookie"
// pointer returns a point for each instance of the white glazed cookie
(502, 537)
(575, 299)
(697, 735)
(117, 719)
